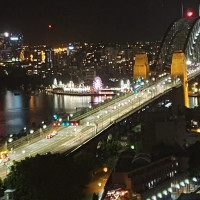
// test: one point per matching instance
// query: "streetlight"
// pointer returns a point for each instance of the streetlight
(44, 126)
(10, 139)
(105, 169)
(87, 123)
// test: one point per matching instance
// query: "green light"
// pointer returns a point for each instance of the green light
(132, 147)
(55, 117)
(67, 123)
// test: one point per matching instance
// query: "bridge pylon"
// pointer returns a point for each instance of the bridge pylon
(141, 66)
(179, 70)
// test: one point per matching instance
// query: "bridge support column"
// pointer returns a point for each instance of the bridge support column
(179, 70)
(141, 66)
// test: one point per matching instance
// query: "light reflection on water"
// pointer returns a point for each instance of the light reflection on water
(22, 110)
(194, 102)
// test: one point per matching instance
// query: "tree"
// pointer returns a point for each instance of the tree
(48, 177)
(110, 149)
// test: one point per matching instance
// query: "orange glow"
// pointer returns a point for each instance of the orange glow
(59, 50)
(105, 169)
(3, 154)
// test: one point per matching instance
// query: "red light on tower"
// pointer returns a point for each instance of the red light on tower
(50, 26)
(190, 13)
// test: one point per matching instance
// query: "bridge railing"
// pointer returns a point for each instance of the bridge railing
(89, 111)
(37, 135)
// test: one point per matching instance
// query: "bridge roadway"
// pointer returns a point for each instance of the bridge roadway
(70, 138)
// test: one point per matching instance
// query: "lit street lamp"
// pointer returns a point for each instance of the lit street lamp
(44, 126)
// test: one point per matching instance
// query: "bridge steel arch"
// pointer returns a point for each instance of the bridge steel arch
(183, 34)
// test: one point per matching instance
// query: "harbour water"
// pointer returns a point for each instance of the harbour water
(19, 110)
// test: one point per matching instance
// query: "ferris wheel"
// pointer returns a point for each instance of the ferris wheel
(97, 84)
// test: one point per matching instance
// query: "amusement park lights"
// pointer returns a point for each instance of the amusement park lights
(97, 84)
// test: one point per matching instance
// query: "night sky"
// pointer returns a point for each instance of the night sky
(91, 20)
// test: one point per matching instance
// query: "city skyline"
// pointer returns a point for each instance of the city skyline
(99, 21)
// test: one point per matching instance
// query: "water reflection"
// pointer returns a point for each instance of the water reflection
(19, 111)
(194, 102)
(12, 113)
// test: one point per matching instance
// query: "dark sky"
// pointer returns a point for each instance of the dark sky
(91, 20)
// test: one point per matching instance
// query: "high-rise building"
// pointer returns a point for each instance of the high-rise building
(11, 47)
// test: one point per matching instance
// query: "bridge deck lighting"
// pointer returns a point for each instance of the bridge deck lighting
(194, 179)
(170, 190)
(188, 62)
(187, 181)
(87, 123)
(154, 197)
(44, 126)
(182, 183)
(165, 192)
(10, 139)
(105, 169)
(159, 195)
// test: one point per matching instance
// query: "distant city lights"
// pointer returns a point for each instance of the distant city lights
(70, 47)
(6, 34)
(14, 38)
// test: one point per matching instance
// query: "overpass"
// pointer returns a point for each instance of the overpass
(181, 38)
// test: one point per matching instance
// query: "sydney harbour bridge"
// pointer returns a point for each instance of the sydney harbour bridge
(179, 55)
(182, 34)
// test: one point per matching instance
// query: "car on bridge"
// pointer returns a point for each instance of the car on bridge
(49, 136)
